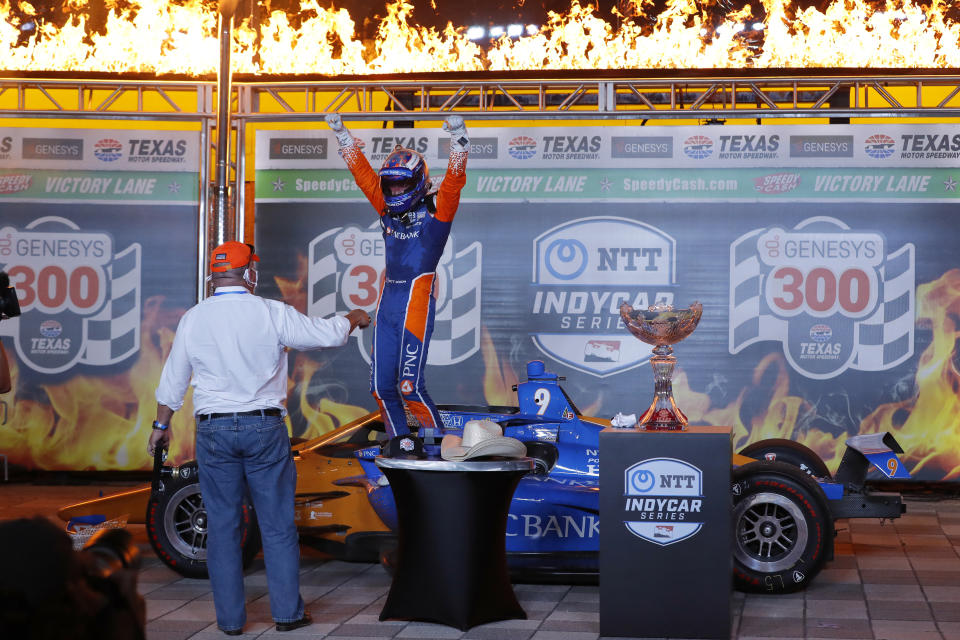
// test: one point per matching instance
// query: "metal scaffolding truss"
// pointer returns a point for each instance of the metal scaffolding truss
(657, 95)
(570, 95)
(106, 98)
(696, 97)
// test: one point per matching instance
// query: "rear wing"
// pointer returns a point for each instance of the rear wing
(874, 449)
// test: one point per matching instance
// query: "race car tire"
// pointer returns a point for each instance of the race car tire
(780, 450)
(782, 528)
(177, 527)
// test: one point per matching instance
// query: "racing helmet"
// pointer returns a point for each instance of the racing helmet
(404, 180)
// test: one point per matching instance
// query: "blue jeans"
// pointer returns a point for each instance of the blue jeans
(238, 454)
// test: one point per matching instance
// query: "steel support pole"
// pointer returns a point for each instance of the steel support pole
(223, 222)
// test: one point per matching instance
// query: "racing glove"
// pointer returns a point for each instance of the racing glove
(336, 125)
(459, 142)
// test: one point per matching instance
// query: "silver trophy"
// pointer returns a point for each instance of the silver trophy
(661, 325)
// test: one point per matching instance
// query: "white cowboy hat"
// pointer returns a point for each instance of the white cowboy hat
(480, 438)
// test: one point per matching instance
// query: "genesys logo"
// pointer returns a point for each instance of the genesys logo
(663, 500)
(821, 146)
(522, 147)
(298, 149)
(641, 147)
(157, 150)
(879, 146)
(107, 150)
(480, 148)
(52, 149)
(15, 183)
(774, 183)
(583, 271)
(698, 147)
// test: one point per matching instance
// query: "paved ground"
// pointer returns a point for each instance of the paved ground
(890, 581)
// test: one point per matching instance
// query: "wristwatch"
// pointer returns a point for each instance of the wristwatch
(161, 427)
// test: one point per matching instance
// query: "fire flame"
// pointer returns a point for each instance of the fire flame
(159, 36)
(925, 424)
(103, 423)
(98, 423)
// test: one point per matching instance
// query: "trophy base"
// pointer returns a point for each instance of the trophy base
(662, 419)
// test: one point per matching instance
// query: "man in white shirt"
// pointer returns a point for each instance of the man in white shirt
(233, 346)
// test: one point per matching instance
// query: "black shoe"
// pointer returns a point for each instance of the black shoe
(296, 624)
(232, 632)
(405, 446)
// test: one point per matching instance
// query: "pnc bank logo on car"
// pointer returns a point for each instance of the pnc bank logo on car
(663, 500)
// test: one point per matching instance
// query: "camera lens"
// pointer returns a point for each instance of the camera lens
(113, 549)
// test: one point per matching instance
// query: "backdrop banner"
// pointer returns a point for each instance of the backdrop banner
(99, 236)
(824, 258)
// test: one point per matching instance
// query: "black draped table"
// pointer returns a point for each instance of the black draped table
(451, 564)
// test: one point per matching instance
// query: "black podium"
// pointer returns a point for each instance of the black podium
(451, 527)
(666, 553)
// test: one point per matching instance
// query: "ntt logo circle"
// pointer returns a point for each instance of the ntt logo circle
(698, 147)
(566, 259)
(879, 146)
(522, 147)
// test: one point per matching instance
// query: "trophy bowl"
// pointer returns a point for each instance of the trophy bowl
(661, 325)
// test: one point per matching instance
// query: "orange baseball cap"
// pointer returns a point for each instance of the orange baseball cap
(232, 255)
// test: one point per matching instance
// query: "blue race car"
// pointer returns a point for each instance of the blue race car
(553, 527)
(782, 494)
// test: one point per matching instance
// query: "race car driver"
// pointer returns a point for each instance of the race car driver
(415, 223)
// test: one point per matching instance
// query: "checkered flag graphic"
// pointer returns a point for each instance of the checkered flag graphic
(114, 333)
(747, 323)
(456, 327)
(323, 275)
(885, 339)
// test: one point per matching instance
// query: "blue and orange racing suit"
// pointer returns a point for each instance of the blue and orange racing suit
(405, 311)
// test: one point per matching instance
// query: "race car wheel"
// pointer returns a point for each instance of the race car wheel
(177, 528)
(780, 450)
(782, 528)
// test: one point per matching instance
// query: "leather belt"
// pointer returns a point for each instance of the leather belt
(236, 414)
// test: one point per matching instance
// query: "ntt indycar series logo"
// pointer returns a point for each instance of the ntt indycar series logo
(583, 271)
(663, 500)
